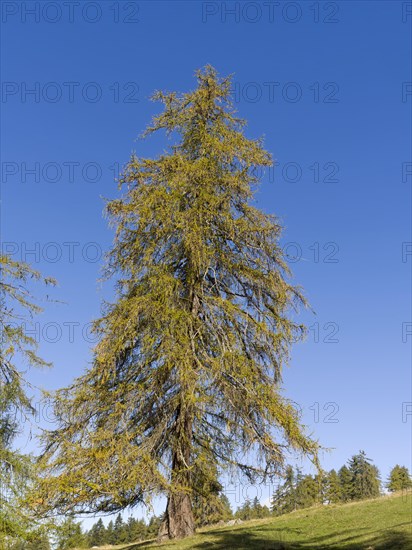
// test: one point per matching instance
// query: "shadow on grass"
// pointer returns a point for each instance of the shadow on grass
(283, 540)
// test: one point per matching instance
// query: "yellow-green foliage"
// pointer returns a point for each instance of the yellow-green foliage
(187, 370)
(17, 353)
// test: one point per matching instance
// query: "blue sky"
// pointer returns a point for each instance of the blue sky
(327, 84)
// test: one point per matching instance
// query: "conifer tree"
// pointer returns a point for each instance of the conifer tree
(187, 371)
(399, 479)
(321, 480)
(277, 501)
(245, 511)
(259, 511)
(333, 488)
(153, 527)
(284, 498)
(136, 530)
(69, 535)
(110, 534)
(345, 480)
(120, 531)
(256, 508)
(306, 492)
(17, 354)
(365, 482)
(226, 510)
(207, 506)
(97, 535)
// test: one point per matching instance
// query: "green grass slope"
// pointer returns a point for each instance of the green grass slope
(379, 524)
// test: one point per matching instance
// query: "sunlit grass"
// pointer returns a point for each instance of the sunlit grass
(379, 524)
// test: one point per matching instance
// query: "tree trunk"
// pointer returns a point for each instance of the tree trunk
(179, 521)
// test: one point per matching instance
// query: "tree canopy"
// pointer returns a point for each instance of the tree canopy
(188, 368)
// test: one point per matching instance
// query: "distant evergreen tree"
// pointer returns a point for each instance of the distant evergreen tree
(365, 482)
(306, 491)
(208, 506)
(153, 527)
(399, 479)
(227, 512)
(133, 531)
(258, 510)
(129, 530)
(265, 511)
(137, 530)
(345, 480)
(211, 510)
(245, 512)
(110, 535)
(120, 530)
(69, 535)
(321, 480)
(297, 482)
(277, 500)
(97, 535)
(284, 499)
(333, 493)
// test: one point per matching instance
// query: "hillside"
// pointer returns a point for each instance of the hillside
(380, 524)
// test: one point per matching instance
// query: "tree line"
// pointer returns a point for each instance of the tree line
(119, 531)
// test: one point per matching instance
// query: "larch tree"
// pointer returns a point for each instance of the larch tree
(187, 369)
(17, 355)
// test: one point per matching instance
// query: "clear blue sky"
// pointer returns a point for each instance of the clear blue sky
(325, 83)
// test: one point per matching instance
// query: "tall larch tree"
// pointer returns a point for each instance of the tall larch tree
(187, 371)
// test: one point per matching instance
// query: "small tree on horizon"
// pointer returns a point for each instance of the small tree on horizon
(333, 493)
(307, 491)
(365, 480)
(97, 536)
(399, 479)
(345, 482)
(187, 371)
(284, 498)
